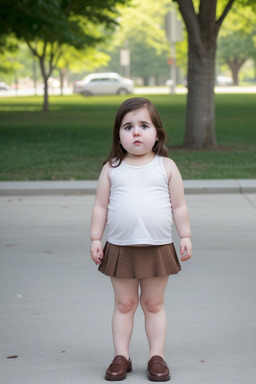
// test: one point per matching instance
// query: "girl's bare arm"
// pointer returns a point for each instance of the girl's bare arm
(179, 208)
(99, 215)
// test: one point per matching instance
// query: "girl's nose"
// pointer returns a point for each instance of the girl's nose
(136, 131)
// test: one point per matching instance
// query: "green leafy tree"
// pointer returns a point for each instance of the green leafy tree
(234, 50)
(47, 26)
(203, 20)
(8, 51)
(203, 24)
(77, 61)
(143, 21)
(236, 41)
(145, 62)
(141, 30)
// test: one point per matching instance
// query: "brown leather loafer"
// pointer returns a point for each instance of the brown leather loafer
(118, 369)
(158, 369)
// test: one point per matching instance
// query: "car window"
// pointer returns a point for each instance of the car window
(104, 79)
(109, 79)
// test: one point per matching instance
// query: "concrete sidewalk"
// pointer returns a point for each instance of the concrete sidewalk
(32, 188)
(56, 308)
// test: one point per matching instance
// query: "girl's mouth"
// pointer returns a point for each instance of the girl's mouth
(137, 142)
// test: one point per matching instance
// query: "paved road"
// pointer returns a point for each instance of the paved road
(56, 308)
(139, 90)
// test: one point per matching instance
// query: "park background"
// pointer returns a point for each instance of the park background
(72, 139)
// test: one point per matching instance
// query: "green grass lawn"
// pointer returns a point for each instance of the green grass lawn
(74, 138)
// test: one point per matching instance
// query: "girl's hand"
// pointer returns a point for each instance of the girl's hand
(96, 251)
(185, 248)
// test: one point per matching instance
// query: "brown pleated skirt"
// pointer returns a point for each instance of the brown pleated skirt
(131, 262)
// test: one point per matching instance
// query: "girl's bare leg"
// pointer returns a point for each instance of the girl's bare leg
(126, 302)
(152, 303)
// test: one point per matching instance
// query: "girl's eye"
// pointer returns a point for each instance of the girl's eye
(144, 126)
(128, 127)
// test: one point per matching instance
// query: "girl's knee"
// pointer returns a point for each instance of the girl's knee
(127, 305)
(151, 305)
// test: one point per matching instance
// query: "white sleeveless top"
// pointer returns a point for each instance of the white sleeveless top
(139, 210)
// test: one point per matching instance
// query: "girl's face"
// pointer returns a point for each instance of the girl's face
(137, 133)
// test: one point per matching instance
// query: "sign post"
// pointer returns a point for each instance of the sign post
(174, 33)
(125, 60)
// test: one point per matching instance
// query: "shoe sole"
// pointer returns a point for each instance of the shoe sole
(118, 378)
(158, 379)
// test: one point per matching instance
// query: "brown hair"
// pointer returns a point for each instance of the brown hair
(117, 152)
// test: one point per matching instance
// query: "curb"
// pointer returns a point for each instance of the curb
(37, 188)
(220, 186)
(88, 187)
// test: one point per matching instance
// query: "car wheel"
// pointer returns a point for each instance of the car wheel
(86, 93)
(122, 91)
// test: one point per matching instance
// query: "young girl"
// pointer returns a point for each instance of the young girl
(139, 193)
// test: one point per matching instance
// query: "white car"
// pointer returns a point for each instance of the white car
(103, 84)
(224, 80)
(4, 87)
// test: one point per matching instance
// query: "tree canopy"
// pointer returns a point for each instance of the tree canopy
(47, 25)
(141, 30)
(236, 42)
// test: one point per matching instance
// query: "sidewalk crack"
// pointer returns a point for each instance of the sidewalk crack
(249, 201)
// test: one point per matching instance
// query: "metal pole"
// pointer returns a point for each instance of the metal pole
(127, 67)
(173, 68)
(173, 51)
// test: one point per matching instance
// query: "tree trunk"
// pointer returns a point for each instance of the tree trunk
(235, 70)
(202, 28)
(235, 67)
(45, 77)
(61, 73)
(200, 115)
(46, 97)
(55, 55)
